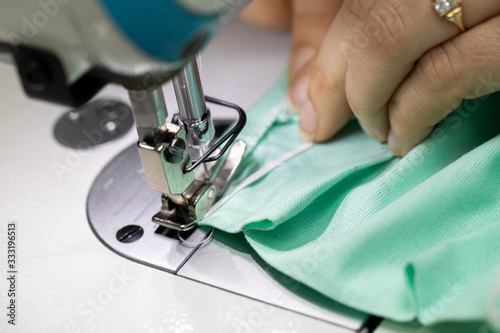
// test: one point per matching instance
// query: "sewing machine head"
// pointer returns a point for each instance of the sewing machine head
(140, 45)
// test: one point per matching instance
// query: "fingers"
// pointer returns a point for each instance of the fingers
(464, 67)
(397, 34)
(275, 14)
(310, 22)
(327, 110)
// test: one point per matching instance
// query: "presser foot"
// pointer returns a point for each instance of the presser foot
(183, 211)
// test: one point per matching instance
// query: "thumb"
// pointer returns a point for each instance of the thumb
(310, 22)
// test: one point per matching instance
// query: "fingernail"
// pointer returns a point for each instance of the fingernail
(379, 134)
(298, 93)
(305, 137)
(300, 58)
(393, 144)
(292, 107)
(308, 122)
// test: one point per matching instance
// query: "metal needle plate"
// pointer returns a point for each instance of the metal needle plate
(121, 202)
(120, 197)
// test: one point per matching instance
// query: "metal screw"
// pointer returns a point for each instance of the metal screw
(37, 75)
(74, 117)
(129, 234)
(175, 152)
(110, 126)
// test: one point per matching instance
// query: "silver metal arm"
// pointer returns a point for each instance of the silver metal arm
(162, 145)
(189, 93)
(150, 112)
(193, 112)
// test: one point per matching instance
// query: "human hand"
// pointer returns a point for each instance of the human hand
(398, 67)
(309, 21)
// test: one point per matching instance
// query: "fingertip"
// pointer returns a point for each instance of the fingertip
(298, 91)
(326, 92)
(382, 131)
(331, 120)
(400, 147)
(291, 106)
(380, 134)
(299, 77)
(394, 144)
(308, 121)
(306, 137)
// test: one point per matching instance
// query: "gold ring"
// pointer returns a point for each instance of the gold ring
(451, 10)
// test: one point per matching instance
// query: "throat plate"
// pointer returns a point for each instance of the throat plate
(120, 207)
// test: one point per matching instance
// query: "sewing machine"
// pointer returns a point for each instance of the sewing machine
(175, 277)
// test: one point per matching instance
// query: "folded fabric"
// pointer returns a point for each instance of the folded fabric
(416, 237)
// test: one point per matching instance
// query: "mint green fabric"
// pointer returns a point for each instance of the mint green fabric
(417, 237)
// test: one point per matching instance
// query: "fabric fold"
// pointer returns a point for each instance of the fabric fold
(399, 238)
